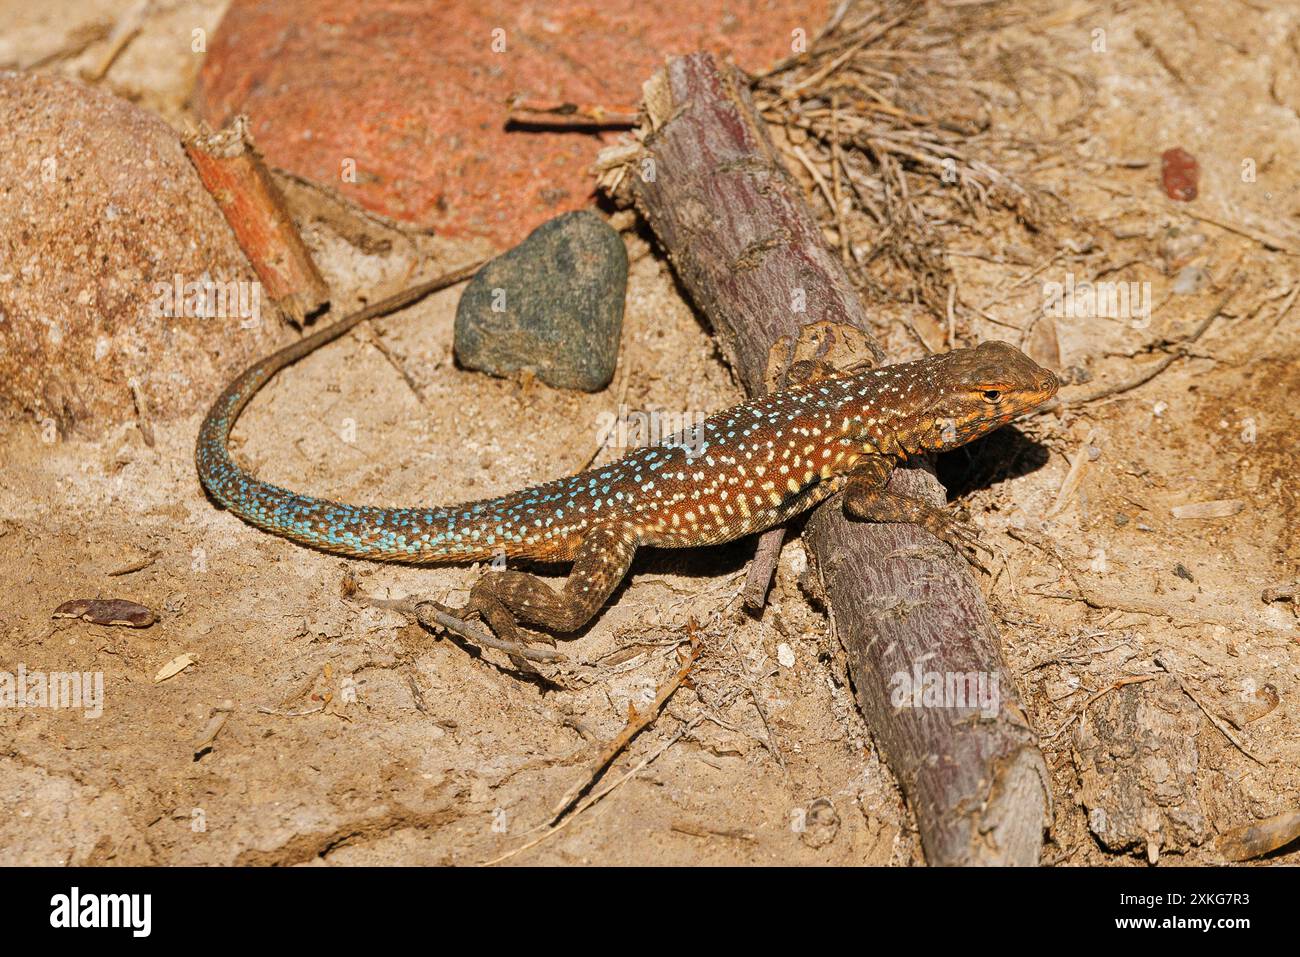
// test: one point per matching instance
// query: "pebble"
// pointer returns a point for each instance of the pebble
(552, 306)
(1180, 174)
(1190, 280)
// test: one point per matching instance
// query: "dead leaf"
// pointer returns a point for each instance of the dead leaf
(174, 667)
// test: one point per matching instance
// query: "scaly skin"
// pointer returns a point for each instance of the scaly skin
(744, 470)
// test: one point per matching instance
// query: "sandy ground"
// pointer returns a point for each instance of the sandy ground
(356, 737)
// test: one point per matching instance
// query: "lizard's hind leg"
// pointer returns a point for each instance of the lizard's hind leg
(503, 599)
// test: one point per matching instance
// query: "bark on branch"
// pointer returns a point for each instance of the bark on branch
(746, 246)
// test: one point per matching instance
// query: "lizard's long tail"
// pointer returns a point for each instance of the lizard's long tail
(361, 531)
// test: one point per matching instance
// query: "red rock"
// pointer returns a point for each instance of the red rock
(415, 94)
(1180, 174)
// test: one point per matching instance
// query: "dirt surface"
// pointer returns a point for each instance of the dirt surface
(353, 736)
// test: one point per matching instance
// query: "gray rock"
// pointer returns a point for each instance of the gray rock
(552, 305)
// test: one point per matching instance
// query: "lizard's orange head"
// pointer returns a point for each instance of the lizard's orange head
(982, 389)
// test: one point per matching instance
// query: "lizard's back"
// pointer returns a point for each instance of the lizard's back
(740, 471)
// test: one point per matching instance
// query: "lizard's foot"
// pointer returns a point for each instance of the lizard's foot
(822, 350)
(502, 599)
(484, 605)
(807, 372)
(866, 497)
(460, 621)
(962, 536)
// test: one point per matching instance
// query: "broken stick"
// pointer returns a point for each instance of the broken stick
(235, 175)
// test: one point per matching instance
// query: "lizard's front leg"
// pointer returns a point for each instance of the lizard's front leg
(503, 599)
(865, 497)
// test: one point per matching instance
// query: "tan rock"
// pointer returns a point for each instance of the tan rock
(102, 219)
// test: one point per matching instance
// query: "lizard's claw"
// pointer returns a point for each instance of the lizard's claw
(964, 537)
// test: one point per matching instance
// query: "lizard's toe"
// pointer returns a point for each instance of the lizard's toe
(965, 539)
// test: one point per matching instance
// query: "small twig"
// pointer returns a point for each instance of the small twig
(642, 764)
(624, 376)
(251, 201)
(1264, 239)
(1005, 293)
(1286, 306)
(637, 722)
(417, 693)
(138, 565)
(1171, 68)
(759, 577)
(1155, 368)
(1258, 839)
(870, 207)
(279, 713)
(952, 315)
(123, 33)
(396, 363)
(208, 736)
(839, 61)
(141, 411)
(817, 177)
(698, 830)
(841, 227)
(1130, 680)
(535, 112)
(75, 43)
(770, 743)
(1073, 478)
(1105, 601)
(1286, 591)
(1214, 719)
(826, 30)
(590, 460)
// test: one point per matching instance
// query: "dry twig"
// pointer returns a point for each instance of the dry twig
(1161, 659)
(1092, 699)
(637, 721)
(1181, 349)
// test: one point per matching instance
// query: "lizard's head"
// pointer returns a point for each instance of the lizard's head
(982, 389)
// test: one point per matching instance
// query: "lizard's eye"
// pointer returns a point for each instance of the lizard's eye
(992, 395)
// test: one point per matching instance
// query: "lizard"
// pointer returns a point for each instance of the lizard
(743, 470)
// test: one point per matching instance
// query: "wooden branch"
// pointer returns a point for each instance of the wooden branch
(233, 171)
(759, 577)
(746, 246)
